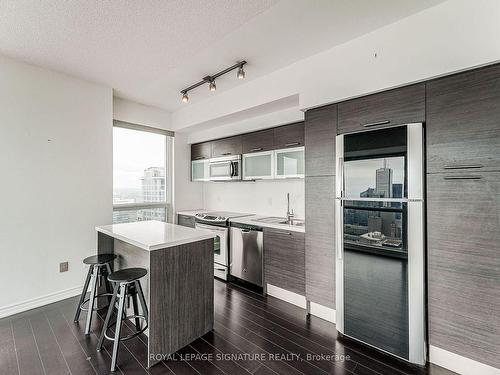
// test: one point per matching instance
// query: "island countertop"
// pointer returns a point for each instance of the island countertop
(154, 235)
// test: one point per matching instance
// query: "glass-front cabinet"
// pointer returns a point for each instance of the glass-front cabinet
(199, 170)
(258, 165)
(264, 165)
(289, 163)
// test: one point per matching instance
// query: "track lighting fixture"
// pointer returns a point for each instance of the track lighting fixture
(212, 86)
(241, 73)
(211, 79)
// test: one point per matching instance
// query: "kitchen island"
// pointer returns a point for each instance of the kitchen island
(179, 285)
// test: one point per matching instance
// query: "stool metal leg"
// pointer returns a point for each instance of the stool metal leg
(136, 311)
(142, 300)
(118, 326)
(93, 288)
(111, 309)
(109, 289)
(84, 293)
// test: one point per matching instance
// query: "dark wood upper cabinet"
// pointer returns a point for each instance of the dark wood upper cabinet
(320, 132)
(289, 135)
(284, 259)
(394, 107)
(227, 146)
(201, 151)
(463, 121)
(258, 141)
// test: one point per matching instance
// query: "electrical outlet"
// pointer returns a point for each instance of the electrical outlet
(63, 267)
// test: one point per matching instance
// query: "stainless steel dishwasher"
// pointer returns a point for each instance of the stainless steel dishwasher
(246, 260)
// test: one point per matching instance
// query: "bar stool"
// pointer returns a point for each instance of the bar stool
(127, 284)
(99, 268)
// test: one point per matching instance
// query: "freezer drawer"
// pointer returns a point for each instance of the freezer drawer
(246, 254)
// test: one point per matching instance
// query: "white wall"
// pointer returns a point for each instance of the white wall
(449, 37)
(136, 113)
(259, 197)
(56, 180)
(187, 195)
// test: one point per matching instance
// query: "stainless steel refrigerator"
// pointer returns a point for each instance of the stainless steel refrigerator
(380, 247)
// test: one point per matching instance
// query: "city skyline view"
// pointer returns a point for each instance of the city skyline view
(139, 160)
(374, 226)
(359, 176)
(133, 153)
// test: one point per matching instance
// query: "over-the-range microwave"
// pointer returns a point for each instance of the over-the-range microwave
(225, 168)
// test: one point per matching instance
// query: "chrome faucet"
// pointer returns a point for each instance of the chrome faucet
(289, 214)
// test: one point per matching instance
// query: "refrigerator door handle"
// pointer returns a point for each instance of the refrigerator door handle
(341, 176)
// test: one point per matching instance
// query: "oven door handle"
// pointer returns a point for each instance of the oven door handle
(210, 227)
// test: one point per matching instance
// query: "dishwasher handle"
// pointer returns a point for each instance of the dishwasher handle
(246, 228)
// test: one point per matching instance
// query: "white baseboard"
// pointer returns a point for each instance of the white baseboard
(287, 296)
(323, 312)
(316, 309)
(39, 301)
(458, 363)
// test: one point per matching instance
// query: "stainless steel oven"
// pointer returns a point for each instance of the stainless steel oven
(221, 242)
(226, 168)
(218, 223)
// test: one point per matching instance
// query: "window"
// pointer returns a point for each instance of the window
(142, 177)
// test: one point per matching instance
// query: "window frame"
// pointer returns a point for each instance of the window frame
(169, 159)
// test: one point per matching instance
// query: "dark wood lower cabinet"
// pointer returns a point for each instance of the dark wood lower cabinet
(186, 221)
(284, 263)
(320, 240)
(463, 213)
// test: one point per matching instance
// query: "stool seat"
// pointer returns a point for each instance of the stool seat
(127, 275)
(99, 259)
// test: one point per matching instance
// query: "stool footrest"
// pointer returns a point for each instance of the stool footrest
(135, 334)
(86, 301)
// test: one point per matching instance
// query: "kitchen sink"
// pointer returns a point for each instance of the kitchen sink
(296, 223)
(281, 220)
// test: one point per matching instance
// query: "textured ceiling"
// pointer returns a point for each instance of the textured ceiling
(149, 50)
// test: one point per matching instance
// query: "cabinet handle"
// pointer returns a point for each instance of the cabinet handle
(462, 178)
(226, 153)
(376, 123)
(199, 157)
(256, 149)
(292, 144)
(463, 166)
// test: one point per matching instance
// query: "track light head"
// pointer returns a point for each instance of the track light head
(212, 86)
(185, 97)
(241, 73)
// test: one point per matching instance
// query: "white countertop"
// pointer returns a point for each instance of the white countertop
(253, 220)
(154, 235)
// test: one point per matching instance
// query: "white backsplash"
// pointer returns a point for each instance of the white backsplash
(259, 197)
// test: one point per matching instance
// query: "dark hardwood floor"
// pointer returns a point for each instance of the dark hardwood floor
(252, 334)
